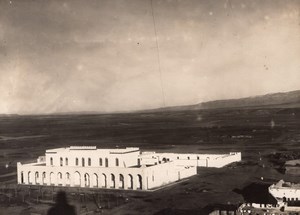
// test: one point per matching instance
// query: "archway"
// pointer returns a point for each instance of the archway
(86, 180)
(139, 182)
(59, 178)
(29, 178)
(22, 177)
(44, 178)
(68, 180)
(121, 181)
(52, 178)
(95, 180)
(77, 180)
(130, 182)
(112, 181)
(104, 180)
(36, 178)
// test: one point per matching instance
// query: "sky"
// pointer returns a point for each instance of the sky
(124, 55)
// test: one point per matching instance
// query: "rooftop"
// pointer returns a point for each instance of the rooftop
(94, 148)
(283, 184)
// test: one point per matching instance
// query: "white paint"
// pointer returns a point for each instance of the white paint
(127, 168)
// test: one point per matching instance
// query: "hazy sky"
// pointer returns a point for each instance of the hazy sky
(61, 56)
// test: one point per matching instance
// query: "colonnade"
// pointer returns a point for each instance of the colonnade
(79, 179)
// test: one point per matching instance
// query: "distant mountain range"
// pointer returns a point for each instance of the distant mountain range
(285, 99)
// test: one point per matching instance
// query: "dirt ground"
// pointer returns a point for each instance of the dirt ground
(24, 138)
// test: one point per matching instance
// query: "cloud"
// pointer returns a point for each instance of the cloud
(62, 56)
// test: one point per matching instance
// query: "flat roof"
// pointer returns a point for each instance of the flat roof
(93, 148)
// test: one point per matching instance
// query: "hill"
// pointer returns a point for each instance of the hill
(283, 99)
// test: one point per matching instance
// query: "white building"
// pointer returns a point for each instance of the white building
(285, 191)
(87, 166)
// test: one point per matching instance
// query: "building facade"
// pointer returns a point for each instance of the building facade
(128, 168)
(285, 191)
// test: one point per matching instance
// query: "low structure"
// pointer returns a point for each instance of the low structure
(285, 191)
(285, 201)
(128, 168)
(200, 160)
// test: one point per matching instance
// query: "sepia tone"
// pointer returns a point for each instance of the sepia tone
(149, 107)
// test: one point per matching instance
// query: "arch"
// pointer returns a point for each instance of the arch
(106, 162)
(100, 162)
(82, 161)
(121, 181)
(76, 161)
(164, 160)
(89, 161)
(104, 180)
(139, 182)
(95, 180)
(77, 179)
(117, 161)
(66, 161)
(130, 181)
(59, 178)
(36, 177)
(29, 177)
(68, 179)
(61, 161)
(44, 178)
(51, 161)
(86, 180)
(52, 179)
(22, 177)
(112, 181)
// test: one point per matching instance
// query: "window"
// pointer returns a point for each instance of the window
(117, 162)
(100, 161)
(89, 162)
(106, 162)
(188, 158)
(83, 163)
(67, 162)
(177, 158)
(197, 157)
(61, 161)
(76, 162)
(51, 161)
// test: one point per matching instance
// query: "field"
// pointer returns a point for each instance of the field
(256, 132)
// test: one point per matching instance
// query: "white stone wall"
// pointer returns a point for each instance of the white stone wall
(289, 193)
(201, 160)
(69, 158)
(124, 168)
(90, 177)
